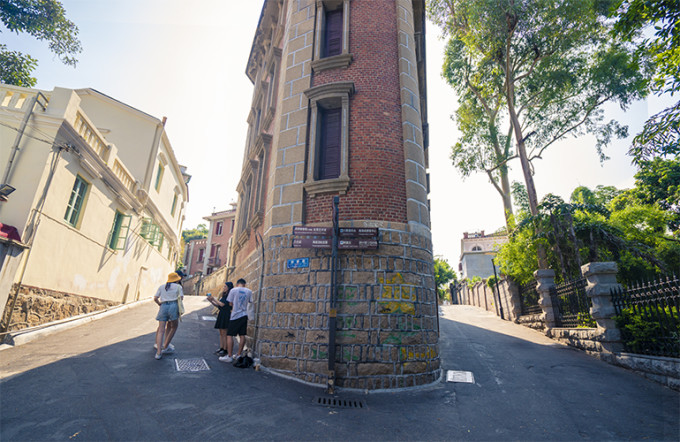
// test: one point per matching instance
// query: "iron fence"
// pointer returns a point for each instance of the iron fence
(529, 297)
(572, 305)
(647, 315)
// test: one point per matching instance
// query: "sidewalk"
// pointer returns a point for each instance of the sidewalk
(99, 381)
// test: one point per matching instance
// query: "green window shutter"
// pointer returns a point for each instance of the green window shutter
(75, 203)
(159, 241)
(123, 230)
(174, 205)
(159, 176)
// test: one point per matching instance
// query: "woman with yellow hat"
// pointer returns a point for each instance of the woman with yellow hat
(167, 297)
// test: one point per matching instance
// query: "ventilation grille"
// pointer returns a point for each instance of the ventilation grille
(460, 376)
(191, 365)
(339, 403)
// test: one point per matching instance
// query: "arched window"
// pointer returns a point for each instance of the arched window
(476, 249)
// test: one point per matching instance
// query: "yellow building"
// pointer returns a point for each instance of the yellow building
(98, 203)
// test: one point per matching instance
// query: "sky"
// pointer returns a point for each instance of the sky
(188, 64)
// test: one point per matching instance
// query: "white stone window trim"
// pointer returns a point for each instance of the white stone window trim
(343, 60)
(329, 96)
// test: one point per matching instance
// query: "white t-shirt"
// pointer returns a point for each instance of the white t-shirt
(240, 297)
(170, 294)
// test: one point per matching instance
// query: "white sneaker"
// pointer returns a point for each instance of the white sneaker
(169, 346)
(158, 356)
(226, 358)
(169, 349)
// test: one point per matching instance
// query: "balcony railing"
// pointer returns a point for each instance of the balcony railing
(96, 142)
(214, 262)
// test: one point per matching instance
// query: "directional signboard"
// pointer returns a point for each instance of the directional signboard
(350, 238)
(297, 263)
(312, 231)
(313, 243)
(359, 232)
(355, 243)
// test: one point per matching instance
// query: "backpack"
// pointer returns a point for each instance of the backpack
(244, 362)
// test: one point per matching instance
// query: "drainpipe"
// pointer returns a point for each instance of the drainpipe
(258, 238)
(22, 128)
(31, 230)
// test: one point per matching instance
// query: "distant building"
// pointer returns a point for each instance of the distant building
(99, 202)
(220, 231)
(194, 256)
(477, 253)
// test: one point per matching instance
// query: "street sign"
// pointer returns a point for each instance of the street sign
(298, 263)
(354, 243)
(354, 232)
(312, 231)
(313, 243)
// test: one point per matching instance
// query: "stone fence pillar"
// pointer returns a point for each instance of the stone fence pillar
(546, 283)
(601, 278)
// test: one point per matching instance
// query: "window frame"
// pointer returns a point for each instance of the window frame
(219, 228)
(322, 61)
(328, 96)
(160, 171)
(115, 235)
(77, 207)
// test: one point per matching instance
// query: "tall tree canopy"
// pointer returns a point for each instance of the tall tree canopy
(529, 73)
(45, 20)
(661, 134)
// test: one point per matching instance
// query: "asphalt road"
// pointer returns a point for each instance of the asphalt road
(100, 381)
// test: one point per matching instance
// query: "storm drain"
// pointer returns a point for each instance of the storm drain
(339, 403)
(460, 376)
(191, 365)
(208, 318)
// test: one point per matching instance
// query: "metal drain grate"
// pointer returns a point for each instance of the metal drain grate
(191, 365)
(339, 403)
(208, 318)
(460, 376)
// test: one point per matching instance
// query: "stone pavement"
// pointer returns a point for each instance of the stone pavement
(99, 381)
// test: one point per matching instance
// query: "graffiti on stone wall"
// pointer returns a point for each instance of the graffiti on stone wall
(397, 338)
(410, 355)
(316, 354)
(402, 296)
(347, 294)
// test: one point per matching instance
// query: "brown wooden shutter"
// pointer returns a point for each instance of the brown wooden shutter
(329, 155)
(333, 37)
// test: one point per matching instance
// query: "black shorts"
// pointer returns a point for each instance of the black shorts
(238, 327)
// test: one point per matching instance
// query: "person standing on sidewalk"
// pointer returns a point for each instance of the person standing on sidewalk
(222, 322)
(167, 297)
(239, 298)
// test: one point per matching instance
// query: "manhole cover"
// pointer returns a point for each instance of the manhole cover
(208, 318)
(191, 364)
(460, 376)
(339, 403)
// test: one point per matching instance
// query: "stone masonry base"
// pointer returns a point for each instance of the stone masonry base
(36, 306)
(387, 329)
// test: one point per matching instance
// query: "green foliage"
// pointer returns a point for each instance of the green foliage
(45, 20)
(443, 274)
(658, 183)
(491, 281)
(626, 230)
(16, 68)
(530, 73)
(661, 133)
(200, 232)
(473, 281)
(641, 329)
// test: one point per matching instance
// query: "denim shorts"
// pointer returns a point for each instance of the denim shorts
(168, 312)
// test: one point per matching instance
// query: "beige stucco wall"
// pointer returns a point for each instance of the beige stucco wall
(77, 259)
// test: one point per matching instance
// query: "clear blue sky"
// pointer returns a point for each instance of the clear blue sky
(188, 62)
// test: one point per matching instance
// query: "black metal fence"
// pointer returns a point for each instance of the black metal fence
(529, 297)
(648, 316)
(572, 305)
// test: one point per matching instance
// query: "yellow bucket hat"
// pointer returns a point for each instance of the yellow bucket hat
(174, 277)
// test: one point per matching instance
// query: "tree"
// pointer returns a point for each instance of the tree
(535, 71)
(443, 274)
(661, 133)
(45, 20)
(200, 232)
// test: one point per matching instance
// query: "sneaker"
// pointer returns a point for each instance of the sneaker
(170, 346)
(218, 351)
(169, 349)
(158, 355)
(226, 359)
(222, 353)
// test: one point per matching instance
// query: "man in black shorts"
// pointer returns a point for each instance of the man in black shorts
(239, 298)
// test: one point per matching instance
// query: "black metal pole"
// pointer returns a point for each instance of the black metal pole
(333, 296)
(500, 303)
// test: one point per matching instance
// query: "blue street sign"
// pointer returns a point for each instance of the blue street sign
(299, 263)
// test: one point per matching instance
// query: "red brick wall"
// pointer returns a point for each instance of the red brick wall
(376, 154)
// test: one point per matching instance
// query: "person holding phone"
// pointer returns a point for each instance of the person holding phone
(222, 322)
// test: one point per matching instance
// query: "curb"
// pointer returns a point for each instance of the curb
(21, 337)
